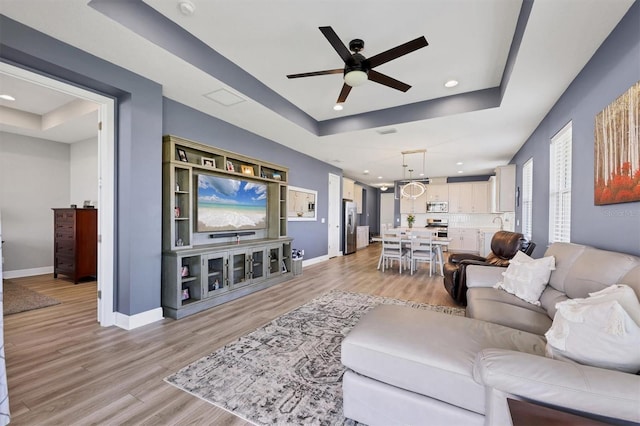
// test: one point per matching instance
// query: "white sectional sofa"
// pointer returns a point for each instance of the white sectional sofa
(416, 367)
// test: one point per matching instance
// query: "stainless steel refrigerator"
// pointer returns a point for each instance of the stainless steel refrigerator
(350, 220)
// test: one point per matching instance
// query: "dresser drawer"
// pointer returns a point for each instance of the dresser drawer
(65, 216)
(64, 247)
(67, 227)
(64, 236)
(65, 264)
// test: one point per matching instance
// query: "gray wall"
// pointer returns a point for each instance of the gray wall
(34, 177)
(609, 73)
(83, 176)
(138, 153)
(304, 171)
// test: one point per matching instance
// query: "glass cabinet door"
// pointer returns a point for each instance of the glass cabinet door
(258, 272)
(238, 269)
(274, 260)
(216, 273)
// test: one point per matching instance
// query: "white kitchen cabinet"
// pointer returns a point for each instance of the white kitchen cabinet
(419, 205)
(357, 197)
(460, 197)
(480, 197)
(348, 189)
(503, 189)
(469, 197)
(484, 241)
(463, 239)
(362, 237)
(437, 192)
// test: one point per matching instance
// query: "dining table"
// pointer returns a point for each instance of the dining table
(438, 243)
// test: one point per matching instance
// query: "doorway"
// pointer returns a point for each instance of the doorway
(387, 201)
(106, 181)
(334, 209)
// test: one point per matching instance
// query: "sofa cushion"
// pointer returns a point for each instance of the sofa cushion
(549, 298)
(427, 352)
(498, 307)
(526, 278)
(632, 279)
(565, 255)
(596, 269)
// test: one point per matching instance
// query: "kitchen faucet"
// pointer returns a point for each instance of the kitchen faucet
(501, 222)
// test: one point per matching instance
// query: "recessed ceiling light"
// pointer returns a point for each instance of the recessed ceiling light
(366, 172)
(379, 177)
(337, 107)
(421, 174)
(186, 7)
(451, 83)
(460, 171)
(7, 97)
(459, 163)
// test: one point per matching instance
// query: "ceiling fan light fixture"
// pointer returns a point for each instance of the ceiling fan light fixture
(356, 78)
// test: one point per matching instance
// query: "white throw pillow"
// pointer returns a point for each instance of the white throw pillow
(526, 278)
(595, 331)
(623, 294)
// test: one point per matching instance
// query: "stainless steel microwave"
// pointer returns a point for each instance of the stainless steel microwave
(437, 207)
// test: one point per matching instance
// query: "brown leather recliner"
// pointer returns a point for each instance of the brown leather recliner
(504, 245)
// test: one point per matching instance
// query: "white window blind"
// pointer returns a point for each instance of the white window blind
(527, 198)
(560, 186)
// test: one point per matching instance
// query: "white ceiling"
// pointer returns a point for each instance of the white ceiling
(469, 40)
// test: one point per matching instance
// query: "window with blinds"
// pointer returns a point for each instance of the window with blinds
(560, 186)
(527, 198)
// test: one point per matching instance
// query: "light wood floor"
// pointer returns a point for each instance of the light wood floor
(63, 368)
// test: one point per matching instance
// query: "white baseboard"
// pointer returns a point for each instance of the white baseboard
(129, 322)
(315, 260)
(19, 273)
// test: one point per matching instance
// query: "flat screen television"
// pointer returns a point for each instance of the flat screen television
(230, 204)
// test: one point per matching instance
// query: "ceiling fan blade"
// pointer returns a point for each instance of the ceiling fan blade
(311, 74)
(344, 93)
(337, 44)
(397, 51)
(388, 81)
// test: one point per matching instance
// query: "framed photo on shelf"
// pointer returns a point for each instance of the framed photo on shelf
(247, 170)
(284, 267)
(276, 176)
(230, 167)
(185, 294)
(209, 162)
(182, 154)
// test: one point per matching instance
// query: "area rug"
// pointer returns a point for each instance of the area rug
(17, 298)
(287, 372)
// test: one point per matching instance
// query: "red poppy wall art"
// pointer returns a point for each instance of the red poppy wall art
(617, 150)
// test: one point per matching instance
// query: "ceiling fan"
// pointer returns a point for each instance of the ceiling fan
(358, 69)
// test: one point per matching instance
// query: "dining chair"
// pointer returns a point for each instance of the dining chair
(392, 250)
(422, 250)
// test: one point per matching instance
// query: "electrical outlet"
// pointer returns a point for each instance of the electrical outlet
(302, 252)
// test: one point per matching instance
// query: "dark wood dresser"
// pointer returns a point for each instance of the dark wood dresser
(75, 243)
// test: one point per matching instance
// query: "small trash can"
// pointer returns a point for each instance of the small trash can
(297, 266)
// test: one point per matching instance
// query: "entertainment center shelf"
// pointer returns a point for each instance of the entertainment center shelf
(201, 278)
(205, 263)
